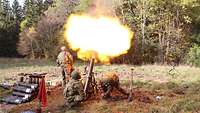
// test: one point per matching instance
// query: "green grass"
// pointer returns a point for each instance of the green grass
(157, 73)
(179, 88)
(188, 104)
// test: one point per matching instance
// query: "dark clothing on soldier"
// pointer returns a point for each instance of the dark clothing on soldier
(108, 84)
(73, 93)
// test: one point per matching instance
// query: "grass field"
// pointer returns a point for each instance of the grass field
(179, 87)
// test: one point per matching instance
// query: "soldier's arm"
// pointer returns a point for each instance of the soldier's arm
(81, 95)
(81, 91)
(107, 93)
(57, 60)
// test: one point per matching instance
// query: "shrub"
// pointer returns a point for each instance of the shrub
(194, 55)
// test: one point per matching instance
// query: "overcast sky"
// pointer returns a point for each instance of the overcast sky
(20, 1)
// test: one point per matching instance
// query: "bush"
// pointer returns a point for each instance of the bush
(194, 55)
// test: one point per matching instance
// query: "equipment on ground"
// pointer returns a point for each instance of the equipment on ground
(25, 90)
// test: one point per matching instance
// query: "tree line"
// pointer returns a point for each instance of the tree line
(165, 31)
(10, 18)
(14, 19)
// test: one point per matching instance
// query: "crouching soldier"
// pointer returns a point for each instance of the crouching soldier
(73, 92)
(65, 61)
(108, 83)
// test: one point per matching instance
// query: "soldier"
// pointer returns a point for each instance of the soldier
(65, 61)
(110, 82)
(73, 92)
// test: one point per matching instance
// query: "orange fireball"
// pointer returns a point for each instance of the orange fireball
(99, 37)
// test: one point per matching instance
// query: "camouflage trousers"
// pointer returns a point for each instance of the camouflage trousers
(71, 103)
(64, 76)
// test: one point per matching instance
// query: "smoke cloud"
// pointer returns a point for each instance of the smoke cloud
(103, 7)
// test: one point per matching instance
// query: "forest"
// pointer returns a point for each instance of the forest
(165, 31)
(148, 48)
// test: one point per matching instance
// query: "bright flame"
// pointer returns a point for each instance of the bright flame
(99, 37)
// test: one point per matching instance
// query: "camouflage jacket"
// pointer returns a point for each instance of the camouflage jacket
(111, 80)
(73, 91)
(108, 83)
(63, 58)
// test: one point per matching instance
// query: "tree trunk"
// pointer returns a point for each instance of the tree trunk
(143, 19)
(167, 59)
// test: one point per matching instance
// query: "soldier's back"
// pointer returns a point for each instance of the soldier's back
(110, 78)
(61, 57)
(73, 85)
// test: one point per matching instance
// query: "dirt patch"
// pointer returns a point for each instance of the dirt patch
(54, 98)
(56, 101)
(144, 96)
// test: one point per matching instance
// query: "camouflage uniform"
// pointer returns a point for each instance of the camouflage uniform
(109, 83)
(65, 61)
(73, 92)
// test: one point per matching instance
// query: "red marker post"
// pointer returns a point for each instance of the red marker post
(42, 96)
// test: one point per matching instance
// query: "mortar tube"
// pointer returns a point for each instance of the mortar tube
(89, 74)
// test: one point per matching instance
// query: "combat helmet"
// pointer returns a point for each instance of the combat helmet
(75, 75)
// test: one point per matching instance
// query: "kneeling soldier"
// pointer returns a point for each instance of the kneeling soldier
(73, 92)
(110, 82)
